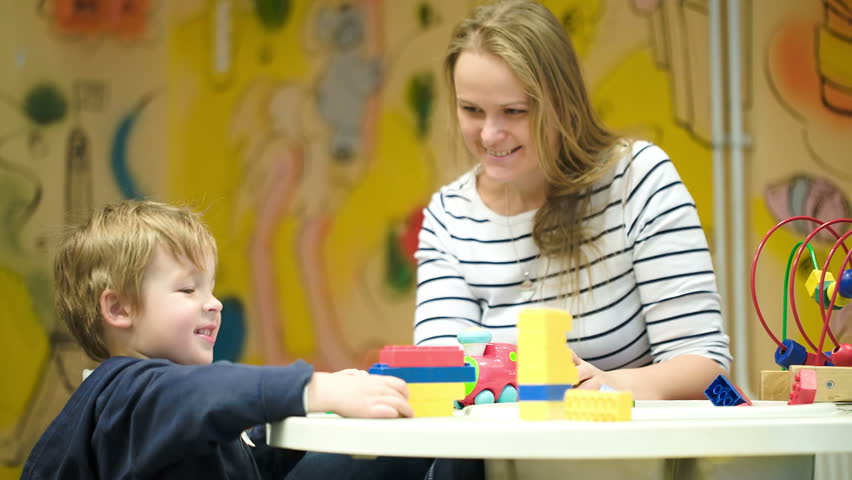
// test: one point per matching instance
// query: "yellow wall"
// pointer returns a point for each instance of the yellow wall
(311, 148)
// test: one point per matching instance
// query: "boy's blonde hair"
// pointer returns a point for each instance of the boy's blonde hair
(112, 250)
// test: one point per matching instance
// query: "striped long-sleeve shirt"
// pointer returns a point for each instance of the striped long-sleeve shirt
(647, 289)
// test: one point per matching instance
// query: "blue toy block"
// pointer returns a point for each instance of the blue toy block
(793, 354)
(427, 374)
(547, 393)
(723, 393)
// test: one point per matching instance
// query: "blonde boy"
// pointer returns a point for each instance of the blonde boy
(134, 285)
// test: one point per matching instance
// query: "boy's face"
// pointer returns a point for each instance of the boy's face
(180, 317)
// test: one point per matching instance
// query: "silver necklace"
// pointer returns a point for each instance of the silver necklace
(528, 286)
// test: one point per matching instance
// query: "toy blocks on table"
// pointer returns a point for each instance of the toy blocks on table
(546, 365)
(413, 356)
(803, 390)
(547, 392)
(434, 399)
(554, 410)
(542, 348)
(598, 406)
(464, 373)
(431, 390)
(723, 393)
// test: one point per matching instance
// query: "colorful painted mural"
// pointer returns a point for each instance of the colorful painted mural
(312, 132)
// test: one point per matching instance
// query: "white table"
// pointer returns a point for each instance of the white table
(658, 431)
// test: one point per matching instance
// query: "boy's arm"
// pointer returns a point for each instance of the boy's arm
(160, 412)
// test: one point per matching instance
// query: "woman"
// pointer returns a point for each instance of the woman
(560, 212)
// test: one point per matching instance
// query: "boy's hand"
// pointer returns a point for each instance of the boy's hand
(352, 371)
(352, 394)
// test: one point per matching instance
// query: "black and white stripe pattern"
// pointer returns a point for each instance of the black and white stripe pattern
(647, 291)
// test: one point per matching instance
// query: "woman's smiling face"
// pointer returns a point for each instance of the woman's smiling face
(494, 116)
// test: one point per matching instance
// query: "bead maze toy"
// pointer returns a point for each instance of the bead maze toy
(815, 375)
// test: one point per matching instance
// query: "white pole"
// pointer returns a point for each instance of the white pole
(738, 206)
(717, 140)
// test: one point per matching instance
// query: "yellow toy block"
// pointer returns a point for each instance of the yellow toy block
(812, 285)
(597, 406)
(452, 390)
(564, 374)
(434, 399)
(544, 355)
(542, 410)
(432, 408)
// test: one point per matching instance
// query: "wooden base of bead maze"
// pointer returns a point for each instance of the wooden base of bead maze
(834, 384)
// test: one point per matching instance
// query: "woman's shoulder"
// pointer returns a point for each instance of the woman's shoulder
(640, 156)
(458, 194)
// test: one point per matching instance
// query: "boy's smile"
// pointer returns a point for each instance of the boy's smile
(179, 318)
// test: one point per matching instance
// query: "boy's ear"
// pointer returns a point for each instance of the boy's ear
(114, 310)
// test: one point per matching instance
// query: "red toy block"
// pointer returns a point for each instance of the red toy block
(413, 356)
(804, 386)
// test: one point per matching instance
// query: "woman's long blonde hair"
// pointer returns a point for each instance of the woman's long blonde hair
(533, 43)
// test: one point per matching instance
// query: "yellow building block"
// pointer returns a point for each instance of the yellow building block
(432, 408)
(452, 390)
(563, 374)
(434, 399)
(542, 410)
(543, 354)
(596, 406)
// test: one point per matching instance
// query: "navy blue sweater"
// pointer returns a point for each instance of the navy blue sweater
(140, 419)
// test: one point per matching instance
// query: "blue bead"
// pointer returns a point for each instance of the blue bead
(793, 354)
(844, 285)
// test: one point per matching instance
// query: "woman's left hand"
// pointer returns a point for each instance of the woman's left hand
(590, 376)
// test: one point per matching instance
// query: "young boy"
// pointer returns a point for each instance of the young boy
(134, 285)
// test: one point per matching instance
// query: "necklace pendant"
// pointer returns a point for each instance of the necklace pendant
(527, 289)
